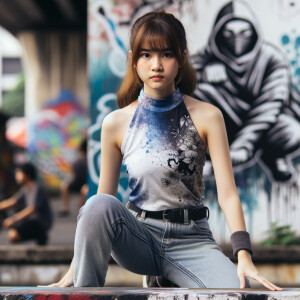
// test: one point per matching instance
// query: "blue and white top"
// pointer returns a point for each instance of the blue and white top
(164, 155)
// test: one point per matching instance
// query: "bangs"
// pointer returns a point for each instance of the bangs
(155, 41)
(156, 37)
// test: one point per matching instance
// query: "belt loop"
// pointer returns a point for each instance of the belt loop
(186, 216)
(143, 215)
(164, 215)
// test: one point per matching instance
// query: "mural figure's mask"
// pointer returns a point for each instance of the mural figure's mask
(238, 36)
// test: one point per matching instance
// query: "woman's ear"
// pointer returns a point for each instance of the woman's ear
(184, 57)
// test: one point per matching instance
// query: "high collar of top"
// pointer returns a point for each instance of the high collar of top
(160, 105)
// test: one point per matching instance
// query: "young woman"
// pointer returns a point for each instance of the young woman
(162, 137)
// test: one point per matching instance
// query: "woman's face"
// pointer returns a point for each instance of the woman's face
(157, 70)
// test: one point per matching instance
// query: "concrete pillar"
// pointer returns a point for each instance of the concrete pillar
(53, 60)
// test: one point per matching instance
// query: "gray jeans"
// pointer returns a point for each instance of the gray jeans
(186, 254)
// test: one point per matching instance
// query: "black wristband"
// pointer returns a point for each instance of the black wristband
(240, 240)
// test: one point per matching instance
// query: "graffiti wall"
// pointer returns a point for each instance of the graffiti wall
(54, 135)
(247, 58)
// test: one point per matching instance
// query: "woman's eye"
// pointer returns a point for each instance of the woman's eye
(146, 55)
(168, 55)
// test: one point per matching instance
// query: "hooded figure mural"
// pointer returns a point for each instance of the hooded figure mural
(249, 80)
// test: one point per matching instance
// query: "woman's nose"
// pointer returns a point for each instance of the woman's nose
(156, 63)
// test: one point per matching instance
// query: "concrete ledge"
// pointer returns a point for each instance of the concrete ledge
(31, 254)
(29, 265)
(7, 293)
(33, 275)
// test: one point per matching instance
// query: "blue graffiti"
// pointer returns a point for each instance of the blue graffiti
(285, 39)
(291, 45)
(105, 76)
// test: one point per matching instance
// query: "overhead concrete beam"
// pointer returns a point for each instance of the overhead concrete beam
(67, 10)
(21, 15)
(6, 16)
(29, 8)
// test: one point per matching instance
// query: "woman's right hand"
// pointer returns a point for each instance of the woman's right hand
(66, 281)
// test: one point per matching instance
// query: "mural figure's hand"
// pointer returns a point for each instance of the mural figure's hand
(215, 73)
(239, 156)
(246, 268)
(8, 222)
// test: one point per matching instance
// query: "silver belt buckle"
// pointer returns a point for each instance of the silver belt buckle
(143, 215)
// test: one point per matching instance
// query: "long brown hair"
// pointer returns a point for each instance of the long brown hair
(161, 30)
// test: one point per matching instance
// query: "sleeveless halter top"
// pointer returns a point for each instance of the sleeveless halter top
(164, 155)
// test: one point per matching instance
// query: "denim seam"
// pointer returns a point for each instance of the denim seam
(179, 266)
(198, 229)
(163, 237)
(136, 234)
(186, 271)
(176, 264)
(162, 245)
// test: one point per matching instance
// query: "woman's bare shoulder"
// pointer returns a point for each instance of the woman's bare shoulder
(204, 110)
(117, 118)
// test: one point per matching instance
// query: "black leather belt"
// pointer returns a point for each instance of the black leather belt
(177, 215)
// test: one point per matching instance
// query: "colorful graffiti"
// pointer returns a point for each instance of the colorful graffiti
(107, 66)
(54, 135)
(259, 97)
(44, 293)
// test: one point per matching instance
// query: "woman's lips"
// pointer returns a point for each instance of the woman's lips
(157, 78)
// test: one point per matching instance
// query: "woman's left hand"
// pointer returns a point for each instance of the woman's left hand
(246, 268)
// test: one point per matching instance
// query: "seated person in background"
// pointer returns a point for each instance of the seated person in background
(77, 184)
(35, 218)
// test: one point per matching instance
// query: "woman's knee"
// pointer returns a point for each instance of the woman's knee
(99, 206)
(97, 217)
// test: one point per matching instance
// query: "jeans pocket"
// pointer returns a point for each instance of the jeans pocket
(201, 227)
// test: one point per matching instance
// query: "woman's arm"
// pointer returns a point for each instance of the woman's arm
(228, 197)
(111, 158)
(220, 157)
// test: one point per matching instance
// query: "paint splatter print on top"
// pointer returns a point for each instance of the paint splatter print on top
(164, 155)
